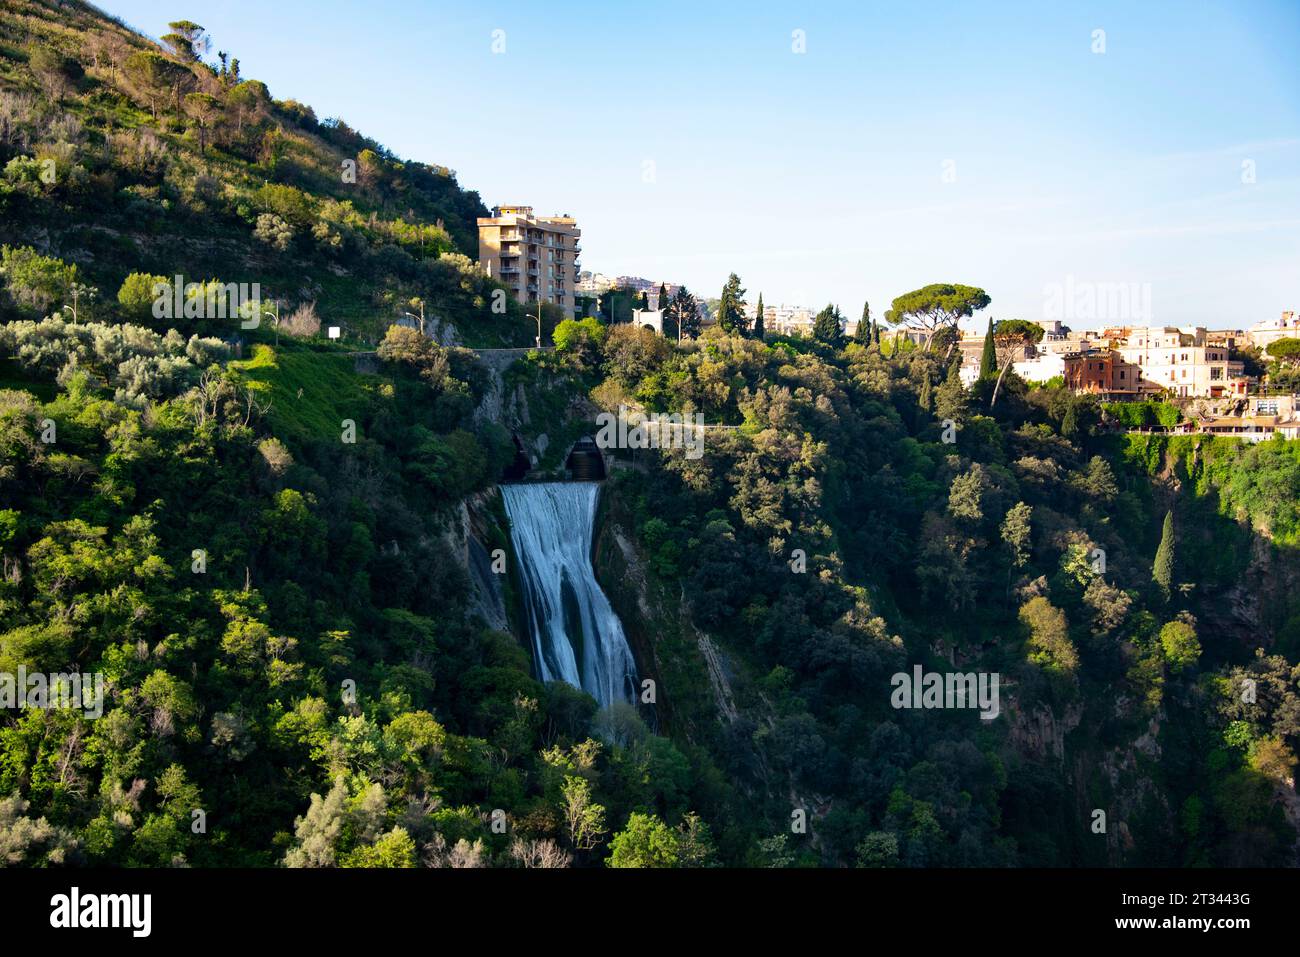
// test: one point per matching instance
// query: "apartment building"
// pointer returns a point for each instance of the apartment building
(536, 257)
(1184, 362)
(1268, 331)
(1104, 372)
(1126, 361)
(593, 283)
(784, 319)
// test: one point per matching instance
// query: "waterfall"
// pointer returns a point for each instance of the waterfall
(575, 634)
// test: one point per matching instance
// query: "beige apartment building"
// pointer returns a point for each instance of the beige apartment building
(1186, 362)
(1267, 331)
(536, 257)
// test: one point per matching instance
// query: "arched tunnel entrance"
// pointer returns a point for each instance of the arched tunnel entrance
(586, 463)
(521, 465)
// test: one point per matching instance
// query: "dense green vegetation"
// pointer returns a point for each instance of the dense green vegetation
(246, 535)
(1031, 545)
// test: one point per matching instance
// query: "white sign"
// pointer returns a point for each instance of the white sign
(334, 332)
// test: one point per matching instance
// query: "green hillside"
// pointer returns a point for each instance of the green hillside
(264, 549)
(122, 156)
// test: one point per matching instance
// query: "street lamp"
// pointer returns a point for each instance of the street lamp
(420, 318)
(274, 313)
(538, 317)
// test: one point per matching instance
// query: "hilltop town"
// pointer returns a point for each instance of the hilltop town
(1217, 378)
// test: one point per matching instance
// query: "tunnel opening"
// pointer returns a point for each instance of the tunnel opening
(520, 466)
(585, 463)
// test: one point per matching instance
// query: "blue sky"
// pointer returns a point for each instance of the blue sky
(983, 143)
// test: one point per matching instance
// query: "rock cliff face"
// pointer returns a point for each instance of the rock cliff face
(480, 543)
(502, 404)
(1040, 734)
(1121, 781)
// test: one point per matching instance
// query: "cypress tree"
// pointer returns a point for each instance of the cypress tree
(827, 326)
(1162, 573)
(731, 304)
(989, 359)
(863, 333)
(758, 319)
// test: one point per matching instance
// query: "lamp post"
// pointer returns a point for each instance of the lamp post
(420, 318)
(538, 317)
(274, 313)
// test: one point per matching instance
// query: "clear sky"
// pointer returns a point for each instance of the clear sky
(981, 143)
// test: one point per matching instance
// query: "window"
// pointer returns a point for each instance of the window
(1216, 372)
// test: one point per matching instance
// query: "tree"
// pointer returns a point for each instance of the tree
(1049, 637)
(989, 358)
(137, 296)
(758, 319)
(862, 334)
(935, 307)
(249, 99)
(205, 108)
(828, 326)
(154, 74)
(1098, 480)
(951, 400)
(1016, 531)
(186, 40)
(317, 833)
(1109, 605)
(1179, 643)
(965, 495)
(54, 71)
(925, 395)
(1285, 351)
(274, 231)
(583, 818)
(1010, 336)
(878, 849)
(662, 301)
(645, 842)
(580, 336)
(695, 843)
(1162, 572)
(34, 280)
(731, 307)
(686, 314)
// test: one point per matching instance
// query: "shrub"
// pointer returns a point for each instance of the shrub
(136, 296)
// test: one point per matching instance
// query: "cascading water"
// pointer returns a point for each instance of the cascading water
(576, 635)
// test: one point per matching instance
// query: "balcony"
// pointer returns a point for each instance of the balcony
(509, 252)
(510, 270)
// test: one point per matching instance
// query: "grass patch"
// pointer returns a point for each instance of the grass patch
(311, 390)
(12, 376)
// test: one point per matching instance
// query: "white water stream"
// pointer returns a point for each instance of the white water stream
(575, 634)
